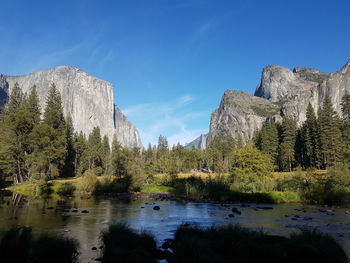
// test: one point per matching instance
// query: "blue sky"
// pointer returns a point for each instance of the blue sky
(171, 60)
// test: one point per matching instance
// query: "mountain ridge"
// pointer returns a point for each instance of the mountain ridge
(88, 99)
(281, 92)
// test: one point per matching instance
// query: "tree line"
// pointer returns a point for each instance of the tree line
(42, 145)
(322, 141)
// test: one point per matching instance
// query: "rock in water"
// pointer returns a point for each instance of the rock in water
(89, 100)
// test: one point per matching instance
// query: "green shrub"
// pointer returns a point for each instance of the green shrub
(88, 182)
(237, 244)
(66, 189)
(250, 182)
(122, 244)
(43, 187)
(137, 176)
(110, 184)
(54, 249)
(17, 245)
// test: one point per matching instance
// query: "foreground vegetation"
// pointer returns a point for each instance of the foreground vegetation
(237, 244)
(190, 244)
(18, 245)
(312, 186)
(37, 149)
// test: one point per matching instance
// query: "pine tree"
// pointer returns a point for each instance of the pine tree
(69, 167)
(106, 152)
(330, 134)
(286, 149)
(346, 126)
(15, 130)
(310, 134)
(119, 160)
(80, 146)
(346, 107)
(49, 139)
(16, 100)
(93, 153)
(53, 115)
(33, 107)
(267, 139)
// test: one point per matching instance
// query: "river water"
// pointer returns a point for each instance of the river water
(59, 216)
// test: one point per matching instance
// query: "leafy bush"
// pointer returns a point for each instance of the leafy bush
(249, 160)
(54, 249)
(237, 244)
(43, 187)
(137, 176)
(122, 244)
(66, 189)
(110, 184)
(250, 182)
(88, 182)
(17, 245)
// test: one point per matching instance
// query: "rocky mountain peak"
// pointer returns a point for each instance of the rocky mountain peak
(281, 92)
(89, 101)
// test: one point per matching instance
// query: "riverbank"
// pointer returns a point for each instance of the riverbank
(59, 187)
(292, 187)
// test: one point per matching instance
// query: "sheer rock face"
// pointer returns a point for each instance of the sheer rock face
(89, 101)
(281, 92)
(199, 143)
(240, 114)
(127, 134)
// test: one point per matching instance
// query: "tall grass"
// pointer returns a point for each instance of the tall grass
(237, 244)
(122, 244)
(221, 189)
(18, 245)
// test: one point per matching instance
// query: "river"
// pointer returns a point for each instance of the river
(55, 215)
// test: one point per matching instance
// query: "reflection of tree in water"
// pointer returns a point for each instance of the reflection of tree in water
(15, 205)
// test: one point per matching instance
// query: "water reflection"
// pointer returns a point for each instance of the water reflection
(64, 216)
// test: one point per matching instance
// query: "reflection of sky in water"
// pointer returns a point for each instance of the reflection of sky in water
(87, 227)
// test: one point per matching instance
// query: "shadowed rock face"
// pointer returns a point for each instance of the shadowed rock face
(281, 92)
(199, 143)
(240, 114)
(89, 100)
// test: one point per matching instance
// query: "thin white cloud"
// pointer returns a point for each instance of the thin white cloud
(185, 99)
(203, 30)
(167, 118)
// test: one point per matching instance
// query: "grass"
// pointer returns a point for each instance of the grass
(154, 189)
(236, 244)
(282, 187)
(220, 189)
(68, 186)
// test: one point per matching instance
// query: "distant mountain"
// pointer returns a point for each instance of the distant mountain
(281, 92)
(199, 143)
(89, 100)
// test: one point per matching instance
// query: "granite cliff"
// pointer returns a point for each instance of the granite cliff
(281, 92)
(199, 143)
(89, 101)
